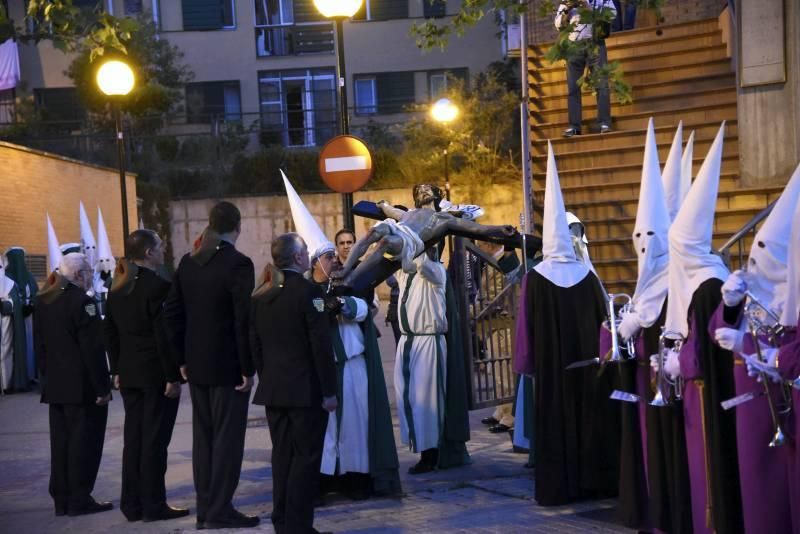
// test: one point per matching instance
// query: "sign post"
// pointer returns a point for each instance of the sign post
(345, 165)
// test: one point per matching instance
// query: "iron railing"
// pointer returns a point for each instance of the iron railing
(737, 240)
(294, 39)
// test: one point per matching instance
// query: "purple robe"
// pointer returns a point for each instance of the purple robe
(523, 355)
(762, 470)
(789, 366)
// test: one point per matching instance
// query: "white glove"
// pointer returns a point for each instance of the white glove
(755, 366)
(654, 362)
(729, 339)
(673, 365)
(733, 289)
(629, 325)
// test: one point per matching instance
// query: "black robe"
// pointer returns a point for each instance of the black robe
(577, 426)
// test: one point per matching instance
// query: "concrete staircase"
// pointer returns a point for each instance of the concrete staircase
(677, 72)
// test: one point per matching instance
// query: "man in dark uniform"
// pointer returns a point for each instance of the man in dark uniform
(72, 364)
(290, 335)
(146, 375)
(206, 314)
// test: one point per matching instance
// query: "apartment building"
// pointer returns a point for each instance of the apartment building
(272, 62)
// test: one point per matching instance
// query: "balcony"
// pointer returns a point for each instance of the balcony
(294, 39)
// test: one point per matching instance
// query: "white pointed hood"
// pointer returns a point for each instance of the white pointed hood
(791, 304)
(650, 235)
(672, 175)
(88, 243)
(559, 265)
(691, 261)
(105, 258)
(53, 249)
(305, 224)
(769, 253)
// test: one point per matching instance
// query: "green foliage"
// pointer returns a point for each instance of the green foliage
(436, 34)
(167, 147)
(155, 213)
(257, 174)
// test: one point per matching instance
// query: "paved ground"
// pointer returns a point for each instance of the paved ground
(494, 494)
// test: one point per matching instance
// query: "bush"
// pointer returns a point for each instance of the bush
(167, 148)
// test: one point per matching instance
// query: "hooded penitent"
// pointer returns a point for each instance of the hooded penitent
(559, 266)
(650, 236)
(88, 243)
(53, 248)
(105, 258)
(769, 253)
(791, 304)
(305, 224)
(690, 240)
(672, 176)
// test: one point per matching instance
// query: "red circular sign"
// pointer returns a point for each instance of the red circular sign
(345, 164)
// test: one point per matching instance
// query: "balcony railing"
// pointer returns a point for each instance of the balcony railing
(294, 39)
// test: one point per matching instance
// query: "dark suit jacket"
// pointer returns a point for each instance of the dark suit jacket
(69, 346)
(207, 313)
(135, 337)
(292, 346)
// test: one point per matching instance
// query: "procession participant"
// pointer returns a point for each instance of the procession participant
(695, 277)
(207, 317)
(7, 287)
(89, 247)
(53, 248)
(344, 239)
(22, 295)
(145, 374)
(359, 440)
(106, 264)
(72, 364)
(765, 492)
(576, 429)
(293, 353)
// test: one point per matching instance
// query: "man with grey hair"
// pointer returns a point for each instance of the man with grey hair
(75, 383)
(291, 342)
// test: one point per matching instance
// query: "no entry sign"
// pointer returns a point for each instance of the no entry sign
(345, 164)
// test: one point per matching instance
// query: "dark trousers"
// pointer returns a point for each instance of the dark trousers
(626, 16)
(219, 422)
(77, 433)
(575, 68)
(149, 420)
(297, 438)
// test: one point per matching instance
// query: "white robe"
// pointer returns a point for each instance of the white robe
(425, 305)
(519, 438)
(351, 447)
(6, 335)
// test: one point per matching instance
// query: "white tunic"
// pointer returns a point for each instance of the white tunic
(351, 446)
(6, 335)
(423, 396)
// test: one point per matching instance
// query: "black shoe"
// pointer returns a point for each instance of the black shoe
(605, 128)
(489, 421)
(61, 509)
(315, 531)
(167, 512)
(200, 524)
(91, 507)
(420, 468)
(235, 520)
(133, 516)
(498, 428)
(569, 132)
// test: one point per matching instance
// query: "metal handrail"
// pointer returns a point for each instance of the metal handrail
(738, 237)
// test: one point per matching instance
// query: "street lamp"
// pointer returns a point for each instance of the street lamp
(444, 111)
(339, 11)
(115, 79)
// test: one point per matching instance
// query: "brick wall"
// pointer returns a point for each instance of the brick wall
(34, 183)
(541, 30)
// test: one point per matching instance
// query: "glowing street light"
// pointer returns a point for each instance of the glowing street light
(116, 80)
(444, 111)
(338, 8)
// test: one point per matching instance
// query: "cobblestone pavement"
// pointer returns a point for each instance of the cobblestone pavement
(494, 494)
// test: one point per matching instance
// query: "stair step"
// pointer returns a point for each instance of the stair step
(686, 100)
(625, 138)
(635, 121)
(647, 35)
(622, 247)
(557, 99)
(631, 154)
(629, 172)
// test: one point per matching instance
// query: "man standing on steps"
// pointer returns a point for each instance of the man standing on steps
(589, 51)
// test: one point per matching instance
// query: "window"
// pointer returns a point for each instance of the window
(438, 81)
(434, 9)
(8, 109)
(60, 106)
(298, 107)
(277, 34)
(366, 97)
(210, 101)
(208, 14)
(383, 10)
(132, 7)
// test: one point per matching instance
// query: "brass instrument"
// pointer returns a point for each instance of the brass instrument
(668, 389)
(613, 322)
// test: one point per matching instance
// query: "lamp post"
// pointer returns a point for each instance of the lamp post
(444, 112)
(115, 79)
(339, 11)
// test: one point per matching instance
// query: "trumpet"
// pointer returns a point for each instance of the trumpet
(668, 389)
(612, 324)
(753, 312)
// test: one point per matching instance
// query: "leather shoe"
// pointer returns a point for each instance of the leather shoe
(420, 468)
(167, 512)
(489, 421)
(200, 525)
(133, 516)
(498, 428)
(61, 509)
(91, 507)
(234, 520)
